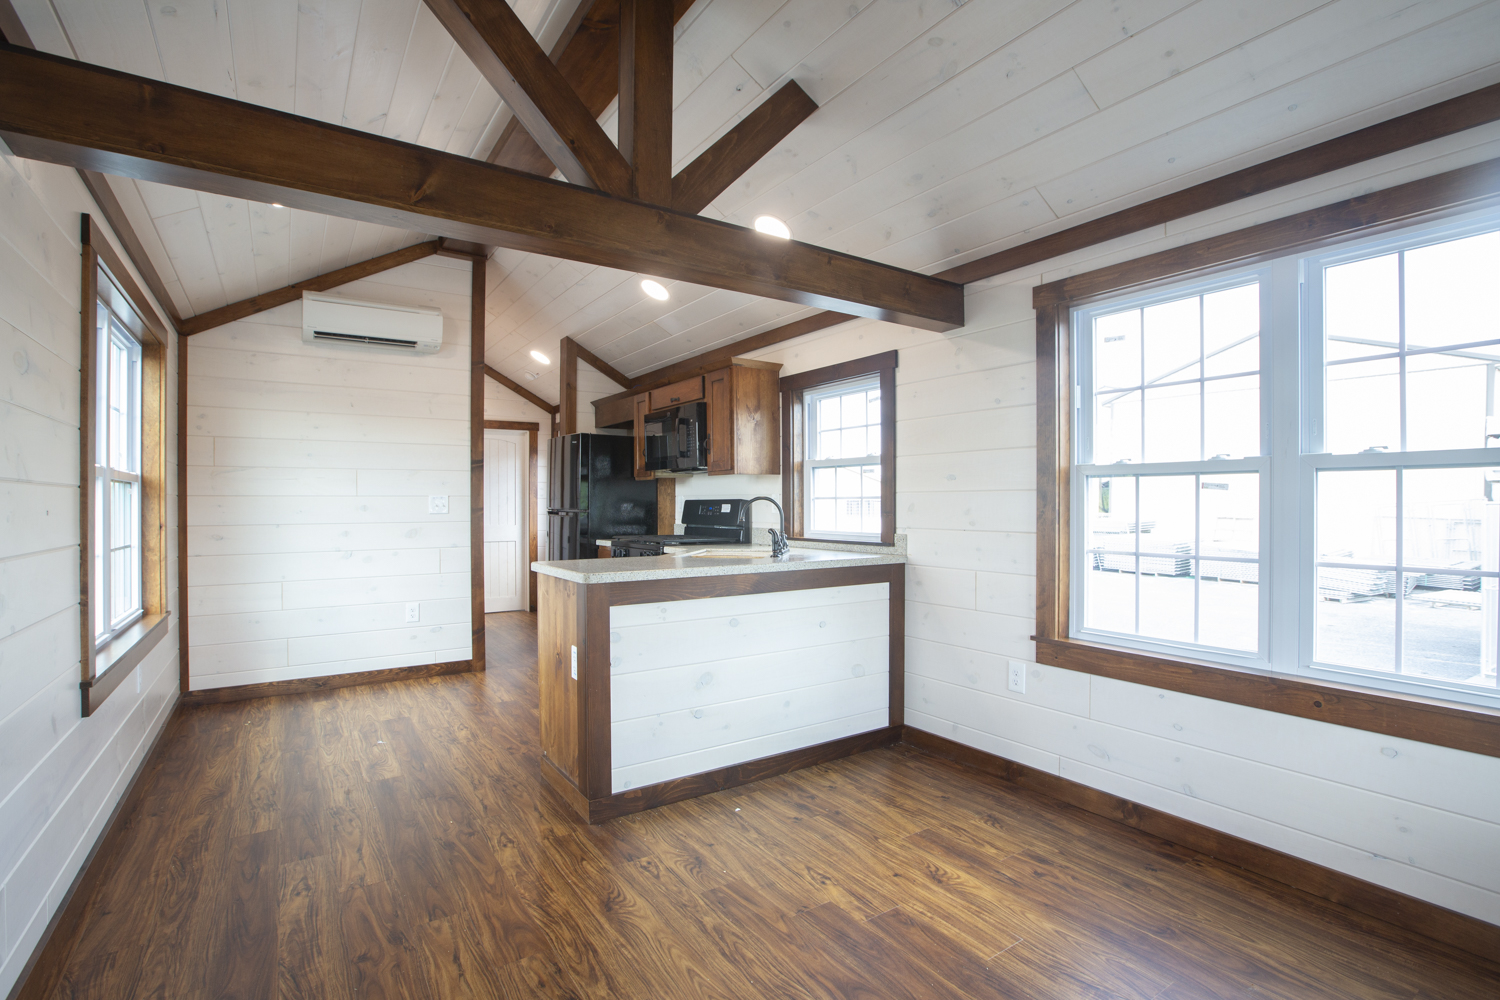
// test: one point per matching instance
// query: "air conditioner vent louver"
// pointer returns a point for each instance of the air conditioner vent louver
(329, 319)
(354, 338)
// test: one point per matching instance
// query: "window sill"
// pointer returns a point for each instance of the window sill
(115, 659)
(1426, 720)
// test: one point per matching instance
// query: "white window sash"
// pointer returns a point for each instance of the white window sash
(1292, 377)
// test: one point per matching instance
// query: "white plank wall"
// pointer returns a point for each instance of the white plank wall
(60, 775)
(1417, 818)
(309, 473)
(808, 666)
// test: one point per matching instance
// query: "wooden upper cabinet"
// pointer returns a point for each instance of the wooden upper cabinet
(687, 391)
(744, 421)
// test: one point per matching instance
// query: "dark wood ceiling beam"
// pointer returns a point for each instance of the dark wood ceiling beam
(588, 56)
(521, 391)
(291, 293)
(506, 55)
(13, 32)
(645, 110)
(461, 249)
(737, 150)
(1478, 107)
(85, 116)
(716, 358)
(597, 363)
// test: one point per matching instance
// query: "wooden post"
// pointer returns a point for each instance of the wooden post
(476, 462)
(568, 377)
(646, 97)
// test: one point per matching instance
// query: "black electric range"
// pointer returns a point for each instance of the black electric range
(704, 522)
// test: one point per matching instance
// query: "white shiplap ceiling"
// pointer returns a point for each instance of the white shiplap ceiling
(946, 130)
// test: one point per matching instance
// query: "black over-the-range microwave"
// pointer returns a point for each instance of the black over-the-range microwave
(677, 439)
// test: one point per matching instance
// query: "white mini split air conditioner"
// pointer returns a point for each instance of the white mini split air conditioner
(328, 319)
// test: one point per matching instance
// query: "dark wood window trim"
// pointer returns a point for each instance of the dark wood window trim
(104, 666)
(533, 430)
(794, 439)
(1427, 720)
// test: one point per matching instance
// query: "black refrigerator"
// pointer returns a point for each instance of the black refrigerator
(592, 493)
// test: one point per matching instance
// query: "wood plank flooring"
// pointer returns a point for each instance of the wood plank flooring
(397, 841)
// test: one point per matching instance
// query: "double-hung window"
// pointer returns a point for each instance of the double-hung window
(1294, 466)
(839, 453)
(117, 597)
(123, 565)
(842, 474)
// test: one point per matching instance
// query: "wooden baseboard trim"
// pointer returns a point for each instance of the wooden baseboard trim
(666, 792)
(44, 969)
(310, 685)
(564, 787)
(1418, 916)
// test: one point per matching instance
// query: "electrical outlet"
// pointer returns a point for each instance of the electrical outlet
(1017, 681)
(437, 505)
(575, 662)
(414, 612)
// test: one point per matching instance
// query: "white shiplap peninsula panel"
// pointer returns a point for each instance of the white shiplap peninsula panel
(703, 684)
(309, 473)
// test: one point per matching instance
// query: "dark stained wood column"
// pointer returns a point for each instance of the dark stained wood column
(567, 375)
(476, 460)
(646, 96)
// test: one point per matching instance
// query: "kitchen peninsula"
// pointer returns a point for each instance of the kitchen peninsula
(672, 676)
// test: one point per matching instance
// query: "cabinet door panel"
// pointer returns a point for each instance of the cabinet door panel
(757, 422)
(721, 422)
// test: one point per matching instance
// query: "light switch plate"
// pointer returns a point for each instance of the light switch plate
(1017, 680)
(437, 505)
(414, 612)
(575, 662)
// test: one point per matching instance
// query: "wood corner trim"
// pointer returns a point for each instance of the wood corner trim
(521, 390)
(331, 682)
(1404, 131)
(1452, 191)
(1365, 898)
(320, 283)
(598, 364)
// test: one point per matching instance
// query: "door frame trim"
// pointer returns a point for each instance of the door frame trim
(533, 430)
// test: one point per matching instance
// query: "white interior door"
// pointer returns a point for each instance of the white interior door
(506, 569)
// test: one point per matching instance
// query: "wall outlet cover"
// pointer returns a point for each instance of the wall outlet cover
(437, 505)
(575, 662)
(414, 612)
(1017, 680)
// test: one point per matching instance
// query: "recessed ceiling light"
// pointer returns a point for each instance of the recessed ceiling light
(772, 226)
(277, 204)
(655, 290)
(541, 357)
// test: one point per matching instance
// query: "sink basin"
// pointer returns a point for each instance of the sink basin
(723, 553)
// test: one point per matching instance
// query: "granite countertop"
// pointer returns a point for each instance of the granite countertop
(672, 567)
